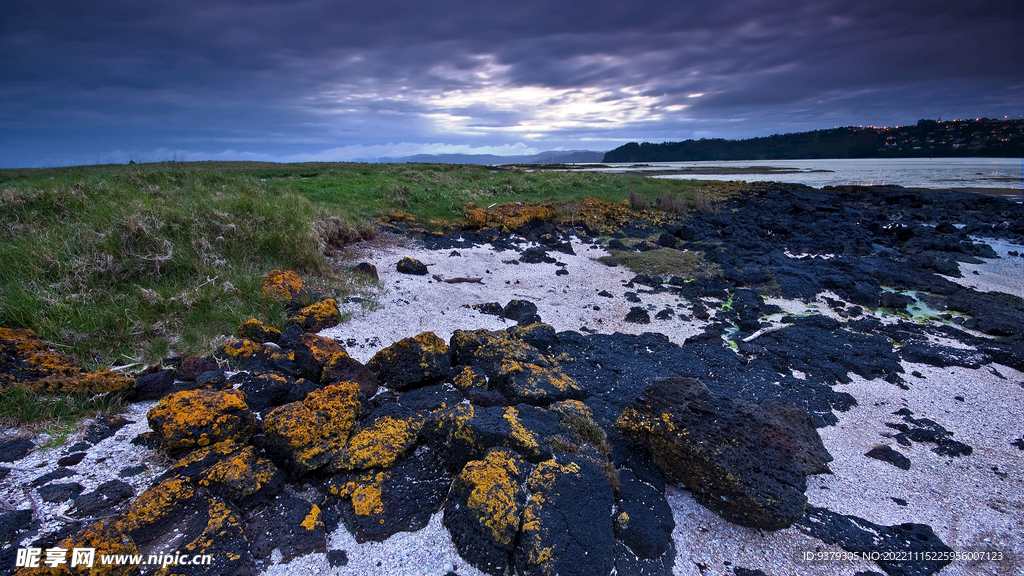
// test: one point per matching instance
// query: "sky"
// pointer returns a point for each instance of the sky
(108, 81)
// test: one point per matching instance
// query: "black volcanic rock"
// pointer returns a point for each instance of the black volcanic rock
(887, 454)
(746, 462)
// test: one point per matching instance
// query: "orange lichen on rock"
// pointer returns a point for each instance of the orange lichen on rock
(316, 317)
(470, 377)
(312, 520)
(256, 331)
(105, 538)
(364, 491)
(98, 382)
(379, 444)
(533, 384)
(522, 437)
(282, 285)
(197, 418)
(159, 504)
(508, 217)
(306, 435)
(242, 349)
(495, 494)
(572, 408)
(240, 474)
(421, 359)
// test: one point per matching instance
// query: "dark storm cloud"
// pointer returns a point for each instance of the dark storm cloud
(285, 79)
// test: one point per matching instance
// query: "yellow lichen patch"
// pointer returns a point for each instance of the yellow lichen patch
(241, 349)
(380, 444)
(98, 382)
(431, 343)
(196, 418)
(364, 492)
(623, 520)
(469, 377)
(243, 473)
(601, 215)
(312, 520)
(156, 505)
(255, 330)
(53, 363)
(316, 317)
(521, 435)
(282, 285)
(23, 340)
(104, 537)
(508, 217)
(455, 423)
(312, 431)
(533, 382)
(493, 493)
(321, 349)
(572, 408)
(546, 473)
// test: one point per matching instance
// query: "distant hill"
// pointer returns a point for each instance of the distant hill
(926, 139)
(549, 157)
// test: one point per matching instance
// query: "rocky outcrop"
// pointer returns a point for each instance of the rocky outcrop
(566, 525)
(27, 361)
(746, 462)
(485, 509)
(411, 266)
(318, 316)
(412, 362)
(304, 436)
(282, 285)
(197, 418)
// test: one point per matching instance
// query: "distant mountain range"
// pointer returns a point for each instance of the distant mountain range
(548, 157)
(981, 137)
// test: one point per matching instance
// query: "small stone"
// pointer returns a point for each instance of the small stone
(638, 315)
(887, 454)
(131, 471)
(154, 386)
(412, 266)
(605, 294)
(50, 476)
(60, 492)
(338, 558)
(71, 459)
(366, 269)
(15, 449)
(105, 496)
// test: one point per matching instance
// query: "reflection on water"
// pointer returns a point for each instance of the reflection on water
(1007, 173)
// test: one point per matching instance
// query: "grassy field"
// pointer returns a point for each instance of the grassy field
(116, 264)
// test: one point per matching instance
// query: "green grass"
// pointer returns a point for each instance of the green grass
(115, 263)
(664, 262)
(54, 415)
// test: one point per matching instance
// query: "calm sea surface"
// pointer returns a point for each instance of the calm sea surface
(1006, 173)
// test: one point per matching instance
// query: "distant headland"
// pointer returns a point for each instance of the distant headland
(981, 137)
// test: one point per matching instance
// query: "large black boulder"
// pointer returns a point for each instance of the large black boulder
(567, 528)
(746, 462)
(485, 508)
